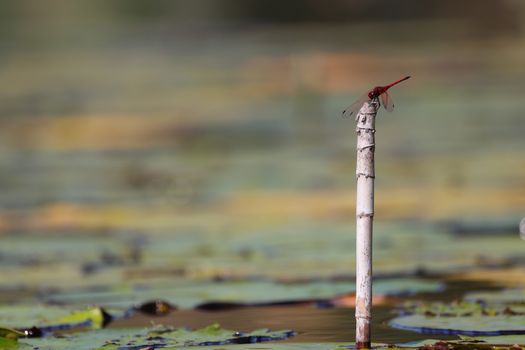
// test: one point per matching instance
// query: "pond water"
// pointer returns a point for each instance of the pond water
(312, 324)
(210, 162)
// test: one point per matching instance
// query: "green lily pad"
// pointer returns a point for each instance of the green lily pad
(190, 295)
(467, 343)
(6, 343)
(215, 335)
(466, 325)
(292, 346)
(507, 296)
(41, 320)
(464, 308)
(8, 333)
(95, 317)
(19, 316)
(292, 251)
(499, 339)
(164, 338)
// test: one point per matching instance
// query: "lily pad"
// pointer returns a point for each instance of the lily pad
(12, 334)
(466, 325)
(507, 296)
(292, 346)
(32, 315)
(467, 343)
(190, 295)
(41, 320)
(131, 339)
(6, 343)
(215, 335)
(464, 308)
(499, 339)
(291, 251)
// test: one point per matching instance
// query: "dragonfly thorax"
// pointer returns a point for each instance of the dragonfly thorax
(375, 92)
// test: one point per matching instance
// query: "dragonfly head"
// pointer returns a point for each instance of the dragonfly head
(375, 92)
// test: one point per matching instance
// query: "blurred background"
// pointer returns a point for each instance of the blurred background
(204, 139)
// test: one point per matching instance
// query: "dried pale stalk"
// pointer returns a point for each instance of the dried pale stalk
(365, 174)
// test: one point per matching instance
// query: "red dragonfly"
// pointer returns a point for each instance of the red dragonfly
(378, 91)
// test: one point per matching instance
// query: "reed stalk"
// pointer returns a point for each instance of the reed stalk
(365, 174)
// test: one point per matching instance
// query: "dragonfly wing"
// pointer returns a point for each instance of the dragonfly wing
(387, 101)
(353, 109)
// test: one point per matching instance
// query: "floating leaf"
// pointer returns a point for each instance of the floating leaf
(95, 317)
(472, 344)
(499, 339)
(466, 325)
(8, 333)
(42, 320)
(289, 251)
(419, 343)
(506, 296)
(252, 293)
(215, 335)
(291, 346)
(166, 338)
(464, 308)
(6, 343)
(19, 316)
(443, 309)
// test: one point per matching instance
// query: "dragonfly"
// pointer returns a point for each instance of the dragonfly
(380, 92)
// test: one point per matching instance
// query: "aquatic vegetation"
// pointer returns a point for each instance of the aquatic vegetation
(247, 293)
(514, 297)
(216, 176)
(157, 337)
(466, 325)
(481, 317)
(462, 308)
